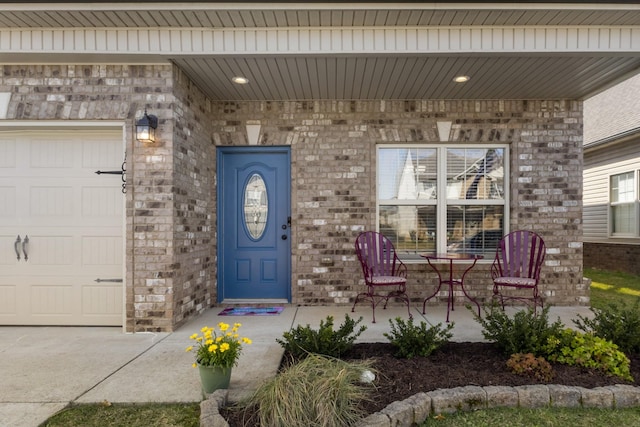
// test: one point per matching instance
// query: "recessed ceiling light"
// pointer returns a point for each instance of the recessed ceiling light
(240, 80)
(461, 79)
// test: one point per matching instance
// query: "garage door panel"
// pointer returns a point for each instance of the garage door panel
(8, 257)
(101, 154)
(8, 154)
(8, 202)
(8, 301)
(100, 202)
(102, 300)
(74, 220)
(51, 154)
(50, 250)
(101, 250)
(51, 201)
(47, 300)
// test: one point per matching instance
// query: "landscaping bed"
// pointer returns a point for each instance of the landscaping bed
(455, 364)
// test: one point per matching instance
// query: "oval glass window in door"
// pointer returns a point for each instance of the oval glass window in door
(256, 206)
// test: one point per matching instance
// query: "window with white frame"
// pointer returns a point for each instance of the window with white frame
(437, 199)
(624, 205)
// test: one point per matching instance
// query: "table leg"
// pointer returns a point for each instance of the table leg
(424, 303)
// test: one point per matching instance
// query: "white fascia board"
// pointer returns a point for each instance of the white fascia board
(321, 41)
(195, 6)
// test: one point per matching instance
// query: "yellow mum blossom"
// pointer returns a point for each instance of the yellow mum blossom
(194, 365)
(219, 346)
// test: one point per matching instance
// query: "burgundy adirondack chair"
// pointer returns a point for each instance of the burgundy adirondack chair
(385, 275)
(517, 265)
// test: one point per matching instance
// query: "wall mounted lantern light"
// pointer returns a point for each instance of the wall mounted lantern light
(146, 128)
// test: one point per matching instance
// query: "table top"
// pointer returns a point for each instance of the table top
(453, 256)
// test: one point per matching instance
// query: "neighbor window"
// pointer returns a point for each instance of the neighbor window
(624, 205)
(442, 199)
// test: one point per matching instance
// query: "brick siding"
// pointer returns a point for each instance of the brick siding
(333, 168)
(170, 224)
(613, 257)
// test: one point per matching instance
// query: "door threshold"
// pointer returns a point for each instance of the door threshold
(254, 301)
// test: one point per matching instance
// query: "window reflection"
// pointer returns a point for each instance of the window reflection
(442, 199)
(255, 206)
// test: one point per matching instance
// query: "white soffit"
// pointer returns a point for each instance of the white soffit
(342, 50)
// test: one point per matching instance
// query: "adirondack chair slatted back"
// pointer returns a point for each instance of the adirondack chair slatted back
(518, 262)
(382, 270)
(520, 254)
(377, 255)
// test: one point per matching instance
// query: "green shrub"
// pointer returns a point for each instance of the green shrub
(530, 366)
(620, 325)
(303, 340)
(410, 340)
(318, 391)
(525, 332)
(589, 351)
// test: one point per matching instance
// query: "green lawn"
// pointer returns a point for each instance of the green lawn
(144, 415)
(616, 287)
(521, 417)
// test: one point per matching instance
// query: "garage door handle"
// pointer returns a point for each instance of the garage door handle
(25, 246)
(15, 247)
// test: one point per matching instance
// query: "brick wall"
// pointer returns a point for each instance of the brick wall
(193, 201)
(613, 257)
(333, 166)
(170, 224)
(168, 211)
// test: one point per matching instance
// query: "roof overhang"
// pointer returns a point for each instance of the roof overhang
(359, 50)
(629, 135)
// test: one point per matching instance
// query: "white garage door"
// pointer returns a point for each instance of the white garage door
(61, 228)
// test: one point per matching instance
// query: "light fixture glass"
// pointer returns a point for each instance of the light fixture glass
(146, 128)
(461, 79)
(240, 80)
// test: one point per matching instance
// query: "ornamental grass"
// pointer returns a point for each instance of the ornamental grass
(317, 391)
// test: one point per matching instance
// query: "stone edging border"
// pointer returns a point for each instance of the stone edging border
(416, 409)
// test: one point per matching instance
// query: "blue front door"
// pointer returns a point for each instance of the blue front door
(254, 223)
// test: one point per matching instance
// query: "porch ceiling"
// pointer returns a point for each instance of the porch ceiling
(310, 51)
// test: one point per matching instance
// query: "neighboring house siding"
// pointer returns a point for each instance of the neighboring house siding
(601, 250)
(170, 203)
(611, 135)
(599, 165)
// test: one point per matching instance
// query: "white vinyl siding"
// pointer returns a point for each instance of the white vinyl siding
(599, 165)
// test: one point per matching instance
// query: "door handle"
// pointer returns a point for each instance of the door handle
(15, 247)
(25, 246)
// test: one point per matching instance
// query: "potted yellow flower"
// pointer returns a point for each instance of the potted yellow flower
(217, 351)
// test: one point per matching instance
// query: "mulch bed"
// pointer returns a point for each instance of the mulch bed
(456, 364)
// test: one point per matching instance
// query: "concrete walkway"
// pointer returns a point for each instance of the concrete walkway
(44, 369)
